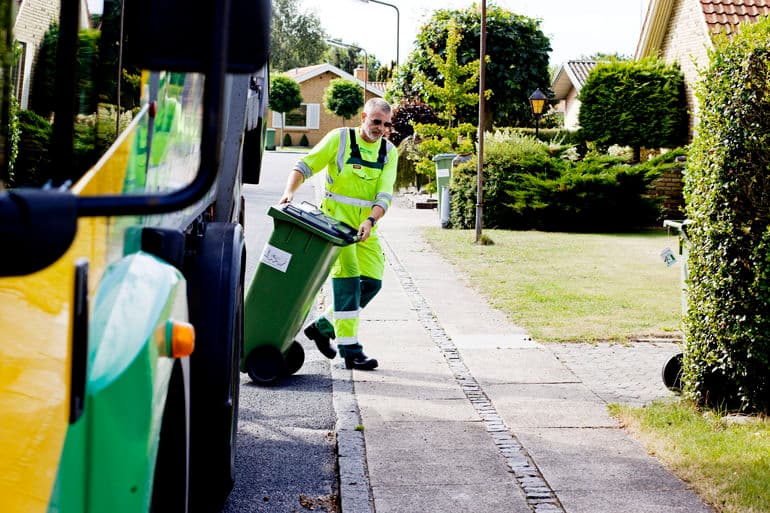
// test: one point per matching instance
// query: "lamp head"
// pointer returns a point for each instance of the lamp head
(537, 102)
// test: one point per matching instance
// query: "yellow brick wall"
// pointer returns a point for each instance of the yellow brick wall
(687, 42)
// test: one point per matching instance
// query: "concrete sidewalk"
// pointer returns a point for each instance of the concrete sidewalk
(467, 414)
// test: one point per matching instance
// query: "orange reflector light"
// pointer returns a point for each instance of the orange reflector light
(180, 338)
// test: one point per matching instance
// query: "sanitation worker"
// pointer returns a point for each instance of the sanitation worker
(361, 170)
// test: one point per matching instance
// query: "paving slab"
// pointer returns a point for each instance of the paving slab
(555, 405)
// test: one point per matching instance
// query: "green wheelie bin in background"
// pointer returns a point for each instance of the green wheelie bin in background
(294, 264)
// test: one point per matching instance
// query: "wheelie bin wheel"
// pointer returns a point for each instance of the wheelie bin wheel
(672, 373)
(294, 357)
(265, 365)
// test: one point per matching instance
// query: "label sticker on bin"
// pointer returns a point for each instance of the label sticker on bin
(442, 173)
(275, 258)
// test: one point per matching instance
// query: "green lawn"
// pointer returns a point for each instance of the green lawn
(727, 463)
(567, 287)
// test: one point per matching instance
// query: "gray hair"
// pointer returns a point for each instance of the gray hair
(373, 104)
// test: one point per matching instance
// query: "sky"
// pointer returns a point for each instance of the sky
(575, 28)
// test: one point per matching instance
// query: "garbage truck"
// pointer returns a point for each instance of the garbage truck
(125, 130)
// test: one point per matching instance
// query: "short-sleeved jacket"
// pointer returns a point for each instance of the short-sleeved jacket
(352, 186)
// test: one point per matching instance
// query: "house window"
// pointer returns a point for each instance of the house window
(307, 116)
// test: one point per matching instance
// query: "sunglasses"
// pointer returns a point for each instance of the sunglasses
(378, 122)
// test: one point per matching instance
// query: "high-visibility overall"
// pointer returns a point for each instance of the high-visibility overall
(359, 175)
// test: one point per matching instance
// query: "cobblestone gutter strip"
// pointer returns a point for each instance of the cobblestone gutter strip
(355, 489)
(539, 495)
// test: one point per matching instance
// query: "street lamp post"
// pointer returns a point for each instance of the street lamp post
(339, 44)
(537, 102)
(398, 22)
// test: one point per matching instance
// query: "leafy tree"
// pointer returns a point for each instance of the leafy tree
(727, 193)
(296, 38)
(635, 103)
(343, 98)
(518, 61)
(454, 92)
(285, 96)
(348, 59)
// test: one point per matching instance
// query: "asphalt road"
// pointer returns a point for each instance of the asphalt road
(286, 458)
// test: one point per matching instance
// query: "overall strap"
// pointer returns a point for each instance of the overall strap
(355, 153)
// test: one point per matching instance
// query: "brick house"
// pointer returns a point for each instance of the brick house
(312, 119)
(566, 86)
(681, 30)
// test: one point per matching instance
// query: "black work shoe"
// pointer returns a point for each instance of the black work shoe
(360, 361)
(322, 342)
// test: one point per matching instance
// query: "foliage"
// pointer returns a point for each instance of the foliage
(434, 140)
(10, 138)
(531, 185)
(303, 141)
(286, 139)
(88, 59)
(285, 96)
(296, 38)
(406, 115)
(454, 90)
(348, 59)
(343, 98)
(727, 194)
(41, 99)
(518, 61)
(635, 103)
(31, 167)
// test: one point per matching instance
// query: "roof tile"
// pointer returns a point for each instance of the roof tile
(724, 16)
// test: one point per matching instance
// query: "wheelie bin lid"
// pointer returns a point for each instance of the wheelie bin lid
(310, 217)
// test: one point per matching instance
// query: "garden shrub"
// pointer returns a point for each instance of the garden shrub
(32, 165)
(503, 149)
(530, 185)
(408, 114)
(727, 193)
(635, 103)
(303, 141)
(286, 140)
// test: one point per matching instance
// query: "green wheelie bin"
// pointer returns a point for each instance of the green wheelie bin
(294, 264)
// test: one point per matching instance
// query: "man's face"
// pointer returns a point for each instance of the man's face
(374, 125)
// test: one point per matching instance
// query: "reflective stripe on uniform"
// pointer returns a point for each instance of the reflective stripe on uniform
(346, 341)
(356, 202)
(341, 149)
(304, 169)
(348, 314)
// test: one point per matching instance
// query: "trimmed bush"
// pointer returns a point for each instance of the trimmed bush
(303, 141)
(727, 193)
(635, 103)
(286, 140)
(529, 185)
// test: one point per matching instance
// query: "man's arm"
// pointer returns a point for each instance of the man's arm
(293, 183)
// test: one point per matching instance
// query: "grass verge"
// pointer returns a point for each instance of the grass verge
(567, 286)
(727, 463)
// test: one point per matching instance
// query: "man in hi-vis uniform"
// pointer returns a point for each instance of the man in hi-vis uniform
(361, 170)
